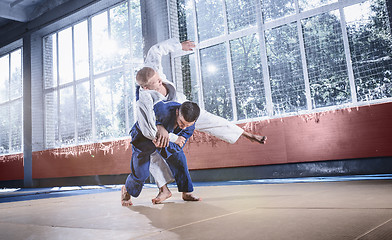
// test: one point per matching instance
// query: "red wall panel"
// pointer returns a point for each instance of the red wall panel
(341, 134)
(92, 159)
(11, 167)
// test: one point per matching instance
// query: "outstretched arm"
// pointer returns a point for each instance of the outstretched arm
(147, 98)
(156, 52)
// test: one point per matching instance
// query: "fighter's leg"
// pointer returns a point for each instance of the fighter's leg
(163, 194)
(160, 170)
(218, 127)
(178, 165)
(140, 164)
(125, 197)
(162, 175)
(223, 129)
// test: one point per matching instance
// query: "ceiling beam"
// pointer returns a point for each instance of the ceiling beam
(15, 2)
(45, 6)
(13, 13)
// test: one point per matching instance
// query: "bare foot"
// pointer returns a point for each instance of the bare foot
(255, 138)
(125, 197)
(260, 139)
(164, 193)
(186, 196)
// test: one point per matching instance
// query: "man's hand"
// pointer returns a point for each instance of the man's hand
(162, 138)
(188, 45)
(180, 141)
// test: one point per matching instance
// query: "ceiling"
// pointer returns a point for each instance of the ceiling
(22, 11)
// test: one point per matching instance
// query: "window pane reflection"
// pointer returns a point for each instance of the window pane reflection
(326, 61)
(83, 114)
(371, 49)
(4, 126)
(109, 106)
(186, 26)
(216, 85)
(11, 100)
(307, 5)
(186, 76)
(102, 46)
(119, 34)
(241, 14)
(16, 75)
(81, 50)
(50, 63)
(211, 21)
(273, 9)
(51, 120)
(67, 113)
(4, 78)
(248, 78)
(136, 30)
(65, 56)
(285, 69)
(16, 123)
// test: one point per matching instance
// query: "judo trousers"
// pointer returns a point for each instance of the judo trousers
(140, 164)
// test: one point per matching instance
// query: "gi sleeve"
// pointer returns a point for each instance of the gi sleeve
(146, 115)
(173, 137)
(187, 132)
(154, 55)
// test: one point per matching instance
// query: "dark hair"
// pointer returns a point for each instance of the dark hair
(190, 111)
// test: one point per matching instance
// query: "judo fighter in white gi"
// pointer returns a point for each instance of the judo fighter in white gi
(153, 88)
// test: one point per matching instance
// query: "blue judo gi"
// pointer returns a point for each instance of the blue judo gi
(143, 147)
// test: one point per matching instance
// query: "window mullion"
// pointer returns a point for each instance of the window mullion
(264, 61)
(91, 78)
(110, 76)
(348, 57)
(197, 58)
(74, 88)
(303, 59)
(128, 84)
(304, 66)
(58, 89)
(228, 62)
(22, 134)
(9, 104)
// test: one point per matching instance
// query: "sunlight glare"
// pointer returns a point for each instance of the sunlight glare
(211, 68)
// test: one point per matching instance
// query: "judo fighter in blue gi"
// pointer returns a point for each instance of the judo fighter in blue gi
(178, 119)
(154, 87)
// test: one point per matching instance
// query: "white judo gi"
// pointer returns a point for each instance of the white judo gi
(207, 122)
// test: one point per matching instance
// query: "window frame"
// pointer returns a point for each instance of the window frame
(126, 68)
(260, 28)
(4, 51)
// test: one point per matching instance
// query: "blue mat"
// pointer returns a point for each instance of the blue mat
(27, 194)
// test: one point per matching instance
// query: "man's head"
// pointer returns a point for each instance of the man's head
(187, 114)
(148, 79)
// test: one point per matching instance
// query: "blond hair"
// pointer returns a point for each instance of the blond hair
(143, 75)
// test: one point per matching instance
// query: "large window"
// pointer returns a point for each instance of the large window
(11, 103)
(270, 58)
(371, 49)
(89, 72)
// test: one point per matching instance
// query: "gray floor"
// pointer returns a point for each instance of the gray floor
(308, 210)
